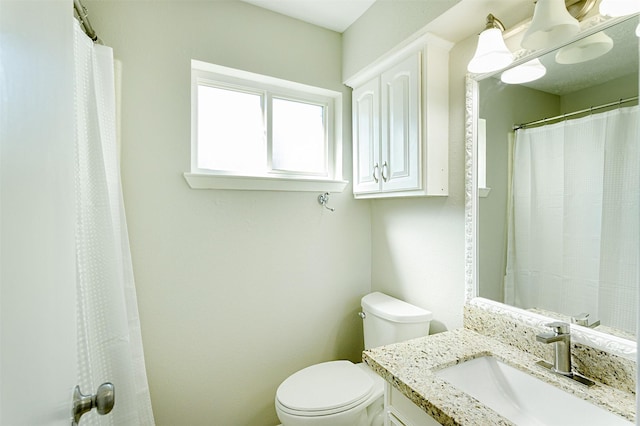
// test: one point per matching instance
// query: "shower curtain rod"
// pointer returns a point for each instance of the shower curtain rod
(571, 114)
(83, 17)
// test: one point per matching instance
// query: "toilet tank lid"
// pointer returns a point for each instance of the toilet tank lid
(392, 309)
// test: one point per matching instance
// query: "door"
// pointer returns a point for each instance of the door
(37, 247)
(400, 160)
(366, 137)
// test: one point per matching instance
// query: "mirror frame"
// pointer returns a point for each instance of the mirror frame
(612, 344)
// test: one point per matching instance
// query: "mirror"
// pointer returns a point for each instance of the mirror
(494, 215)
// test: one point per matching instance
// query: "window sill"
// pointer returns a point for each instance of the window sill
(251, 183)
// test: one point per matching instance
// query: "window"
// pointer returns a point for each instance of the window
(251, 131)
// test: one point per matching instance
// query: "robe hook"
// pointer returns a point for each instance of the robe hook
(323, 199)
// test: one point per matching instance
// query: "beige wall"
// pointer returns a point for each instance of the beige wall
(418, 243)
(239, 289)
(611, 91)
(236, 289)
(385, 24)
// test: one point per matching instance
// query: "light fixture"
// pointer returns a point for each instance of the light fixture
(552, 24)
(616, 8)
(585, 50)
(529, 71)
(492, 53)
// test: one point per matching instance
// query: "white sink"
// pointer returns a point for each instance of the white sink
(524, 399)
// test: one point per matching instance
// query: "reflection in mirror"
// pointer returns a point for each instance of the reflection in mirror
(558, 231)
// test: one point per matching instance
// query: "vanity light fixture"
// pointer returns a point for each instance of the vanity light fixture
(529, 71)
(616, 8)
(492, 53)
(585, 50)
(552, 24)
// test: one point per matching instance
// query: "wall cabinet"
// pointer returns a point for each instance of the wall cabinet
(400, 122)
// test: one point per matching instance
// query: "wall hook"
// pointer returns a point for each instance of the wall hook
(323, 199)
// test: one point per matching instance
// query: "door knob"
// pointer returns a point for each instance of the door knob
(103, 401)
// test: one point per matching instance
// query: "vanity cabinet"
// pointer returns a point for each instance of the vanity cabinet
(400, 123)
(400, 411)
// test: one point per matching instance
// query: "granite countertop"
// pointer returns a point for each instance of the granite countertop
(410, 366)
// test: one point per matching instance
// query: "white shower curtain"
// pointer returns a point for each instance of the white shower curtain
(573, 218)
(109, 339)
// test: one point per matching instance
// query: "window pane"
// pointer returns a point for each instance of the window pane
(231, 134)
(298, 143)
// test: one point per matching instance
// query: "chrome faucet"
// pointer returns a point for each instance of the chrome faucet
(561, 336)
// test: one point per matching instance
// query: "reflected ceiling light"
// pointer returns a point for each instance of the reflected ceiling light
(529, 71)
(615, 8)
(492, 53)
(585, 50)
(552, 24)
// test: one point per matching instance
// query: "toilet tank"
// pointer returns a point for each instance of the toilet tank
(389, 320)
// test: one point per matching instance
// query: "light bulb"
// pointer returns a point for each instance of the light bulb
(492, 53)
(585, 50)
(551, 24)
(529, 71)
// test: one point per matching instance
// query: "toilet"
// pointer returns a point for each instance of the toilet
(341, 393)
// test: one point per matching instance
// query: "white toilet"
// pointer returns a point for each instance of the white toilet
(341, 393)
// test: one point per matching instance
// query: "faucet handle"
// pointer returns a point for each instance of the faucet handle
(583, 319)
(559, 327)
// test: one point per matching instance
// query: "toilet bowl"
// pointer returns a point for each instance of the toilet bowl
(341, 393)
(335, 393)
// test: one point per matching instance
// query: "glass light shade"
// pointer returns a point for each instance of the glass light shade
(615, 8)
(585, 50)
(491, 54)
(529, 71)
(551, 24)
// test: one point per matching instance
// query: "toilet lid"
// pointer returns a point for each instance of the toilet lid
(328, 387)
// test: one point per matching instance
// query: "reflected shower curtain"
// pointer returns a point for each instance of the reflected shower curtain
(109, 340)
(572, 240)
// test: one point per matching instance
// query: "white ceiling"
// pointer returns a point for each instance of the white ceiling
(335, 15)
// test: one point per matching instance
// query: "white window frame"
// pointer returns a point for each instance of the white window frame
(268, 88)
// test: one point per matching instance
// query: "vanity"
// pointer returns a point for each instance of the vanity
(503, 341)
(416, 395)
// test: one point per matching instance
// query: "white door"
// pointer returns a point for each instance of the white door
(400, 88)
(37, 248)
(366, 137)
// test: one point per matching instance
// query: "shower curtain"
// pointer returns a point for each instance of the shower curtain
(572, 240)
(109, 339)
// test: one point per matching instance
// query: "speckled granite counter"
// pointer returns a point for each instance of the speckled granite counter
(409, 367)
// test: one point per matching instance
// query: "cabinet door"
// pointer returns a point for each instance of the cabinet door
(401, 411)
(366, 137)
(400, 160)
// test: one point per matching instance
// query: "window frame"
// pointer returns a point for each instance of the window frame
(268, 88)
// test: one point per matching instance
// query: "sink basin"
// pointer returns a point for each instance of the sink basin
(524, 399)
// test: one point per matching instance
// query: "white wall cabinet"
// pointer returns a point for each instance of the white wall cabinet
(400, 122)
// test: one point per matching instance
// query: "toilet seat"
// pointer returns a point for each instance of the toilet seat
(325, 389)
